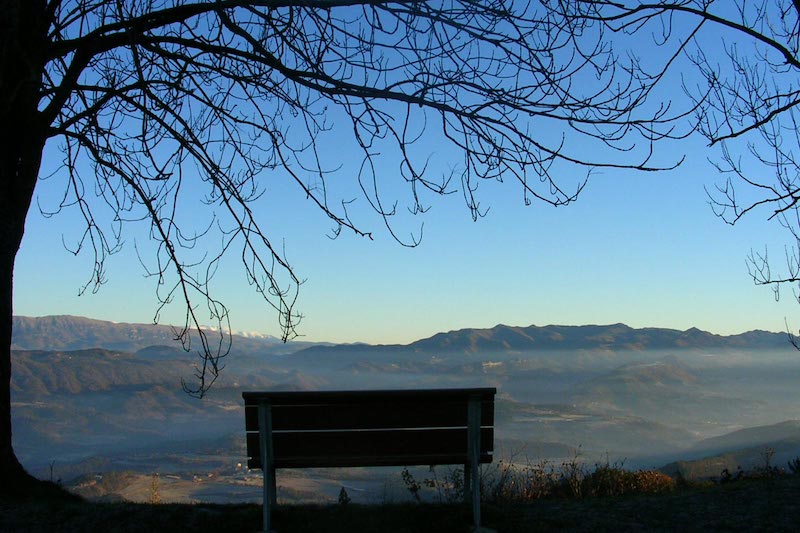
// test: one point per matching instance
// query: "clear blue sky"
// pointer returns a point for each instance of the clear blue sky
(640, 248)
(643, 249)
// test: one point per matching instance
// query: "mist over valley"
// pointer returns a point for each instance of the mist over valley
(91, 397)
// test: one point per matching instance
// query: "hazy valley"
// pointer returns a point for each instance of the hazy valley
(91, 397)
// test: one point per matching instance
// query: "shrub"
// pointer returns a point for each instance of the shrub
(653, 481)
(510, 482)
(794, 466)
(609, 480)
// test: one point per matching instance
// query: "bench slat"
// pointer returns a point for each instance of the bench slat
(379, 414)
(312, 397)
(381, 460)
(370, 448)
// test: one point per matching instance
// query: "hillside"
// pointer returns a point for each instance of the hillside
(71, 404)
(39, 373)
(755, 447)
(762, 436)
(665, 390)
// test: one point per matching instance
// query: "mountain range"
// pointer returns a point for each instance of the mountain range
(66, 332)
(614, 337)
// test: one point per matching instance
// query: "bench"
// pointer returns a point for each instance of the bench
(370, 428)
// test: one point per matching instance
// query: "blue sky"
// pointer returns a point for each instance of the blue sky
(640, 248)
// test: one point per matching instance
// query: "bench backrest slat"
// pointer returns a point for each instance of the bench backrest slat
(369, 428)
(372, 448)
(382, 414)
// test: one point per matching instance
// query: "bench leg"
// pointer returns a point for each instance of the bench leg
(267, 463)
(467, 483)
(473, 487)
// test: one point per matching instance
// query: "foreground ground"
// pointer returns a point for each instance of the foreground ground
(762, 504)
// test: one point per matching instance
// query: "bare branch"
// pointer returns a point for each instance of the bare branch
(168, 99)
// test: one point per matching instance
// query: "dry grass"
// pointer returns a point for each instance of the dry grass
(645, 503)
(513, 482)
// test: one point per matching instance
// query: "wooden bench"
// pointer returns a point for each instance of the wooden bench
(370, 428)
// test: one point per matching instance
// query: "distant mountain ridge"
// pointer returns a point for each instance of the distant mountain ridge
(67, 332)
(502, 338)
(614, 336)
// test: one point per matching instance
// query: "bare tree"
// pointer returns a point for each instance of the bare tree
(156, 107)
(738, 63)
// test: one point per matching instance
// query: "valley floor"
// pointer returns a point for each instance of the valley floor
(754, 504)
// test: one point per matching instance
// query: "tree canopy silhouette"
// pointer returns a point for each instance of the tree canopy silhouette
(152, 108)
(739, 65)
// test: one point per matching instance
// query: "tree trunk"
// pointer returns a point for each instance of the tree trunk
(10, 469)
(23, 37)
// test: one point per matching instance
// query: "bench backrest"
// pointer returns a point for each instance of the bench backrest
(369, 428)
